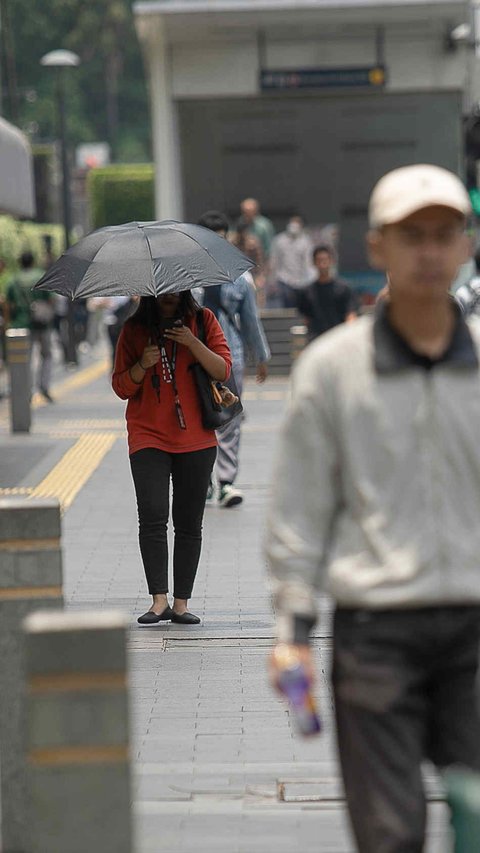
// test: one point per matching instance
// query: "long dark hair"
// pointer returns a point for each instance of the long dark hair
(147, 312)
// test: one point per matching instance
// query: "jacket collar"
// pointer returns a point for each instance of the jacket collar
(392, 352)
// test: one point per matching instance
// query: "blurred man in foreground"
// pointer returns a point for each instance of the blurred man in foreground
(375, 500)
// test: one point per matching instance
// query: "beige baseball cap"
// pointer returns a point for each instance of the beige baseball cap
(404, 191)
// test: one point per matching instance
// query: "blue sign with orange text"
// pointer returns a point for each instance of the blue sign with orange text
(321, 78)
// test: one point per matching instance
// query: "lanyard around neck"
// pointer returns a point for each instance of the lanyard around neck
(168, 366)
(168, 369)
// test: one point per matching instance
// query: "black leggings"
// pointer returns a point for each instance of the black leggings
(190, 473)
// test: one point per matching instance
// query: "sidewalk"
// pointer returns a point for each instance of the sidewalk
(217, 766)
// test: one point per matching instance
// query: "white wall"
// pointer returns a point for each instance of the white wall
(214, 70)
(229, 70)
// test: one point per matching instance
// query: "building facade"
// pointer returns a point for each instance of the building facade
(302, 104)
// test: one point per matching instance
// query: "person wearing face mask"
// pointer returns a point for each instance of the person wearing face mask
(291, 262)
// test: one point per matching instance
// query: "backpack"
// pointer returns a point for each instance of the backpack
(212, 299)
(473, 303)
(41, 310)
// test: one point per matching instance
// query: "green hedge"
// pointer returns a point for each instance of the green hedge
(17, 237)
(121, 193)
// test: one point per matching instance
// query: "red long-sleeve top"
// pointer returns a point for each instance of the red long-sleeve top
(153, 423)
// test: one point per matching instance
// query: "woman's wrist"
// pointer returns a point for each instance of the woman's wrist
(196, 346)
(137, 372)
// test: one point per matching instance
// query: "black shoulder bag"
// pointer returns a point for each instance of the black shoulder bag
(219, 401)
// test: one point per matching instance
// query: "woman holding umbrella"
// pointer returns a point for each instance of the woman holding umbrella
(161, 262)
(166, 437)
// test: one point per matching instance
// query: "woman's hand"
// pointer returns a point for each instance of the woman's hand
(181, 335)
(150, 356)
(214, 364)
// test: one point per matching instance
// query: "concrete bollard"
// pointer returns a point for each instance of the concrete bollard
(30, 577)
(77, 734)
(298, 340)
(18, 346)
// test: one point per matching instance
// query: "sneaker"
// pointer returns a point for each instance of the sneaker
(229, 496)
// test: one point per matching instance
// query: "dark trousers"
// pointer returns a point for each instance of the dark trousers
(190, 474)
(288, 295)
(404, 685)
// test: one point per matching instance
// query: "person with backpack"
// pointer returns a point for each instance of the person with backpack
(468, 295)
(33, 310)
(167, 441)
(234, 305)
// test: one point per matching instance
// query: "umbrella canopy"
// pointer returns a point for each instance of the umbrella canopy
(144, 259)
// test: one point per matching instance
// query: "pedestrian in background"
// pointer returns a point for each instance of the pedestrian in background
(60, 304)
(327, 301)
(251, 246)
(258, 225)
(166, 438)
(291, 262)
(33, 310)
(375, 500)
(233, 303)
(117, 311)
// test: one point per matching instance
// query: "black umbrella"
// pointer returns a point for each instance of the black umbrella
(144, 259)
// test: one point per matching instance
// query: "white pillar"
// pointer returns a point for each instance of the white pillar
(166, 142)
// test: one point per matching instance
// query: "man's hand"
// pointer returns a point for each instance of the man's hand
(262, 372)
(304, 653)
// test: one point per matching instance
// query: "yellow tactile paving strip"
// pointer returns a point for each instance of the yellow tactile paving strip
(23, 592)
(91, 424)
(66, 386)
(71, 682)
(72, 472)
(71, 383)
(78, 755)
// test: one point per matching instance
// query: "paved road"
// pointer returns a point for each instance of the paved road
(213, 749)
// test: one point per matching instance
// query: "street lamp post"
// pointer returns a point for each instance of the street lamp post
(62, 59)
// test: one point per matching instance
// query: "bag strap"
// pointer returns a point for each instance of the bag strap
(201, 326)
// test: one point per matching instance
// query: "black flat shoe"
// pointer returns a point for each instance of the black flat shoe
(185, 618)
(151, 618)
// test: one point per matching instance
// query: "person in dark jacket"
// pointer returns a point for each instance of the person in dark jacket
(327, 301)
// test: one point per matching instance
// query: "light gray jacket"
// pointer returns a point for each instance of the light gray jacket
(376, 490)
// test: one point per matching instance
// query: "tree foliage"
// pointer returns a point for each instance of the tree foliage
(106, 94)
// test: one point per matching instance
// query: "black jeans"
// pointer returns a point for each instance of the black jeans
(190, 473)
(404, 685)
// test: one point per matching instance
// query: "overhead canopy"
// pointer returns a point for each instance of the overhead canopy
(221, 20)
(16, 172)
